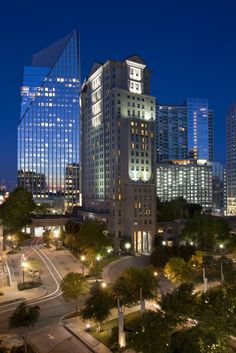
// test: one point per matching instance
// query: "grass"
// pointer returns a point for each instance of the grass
(108, 334)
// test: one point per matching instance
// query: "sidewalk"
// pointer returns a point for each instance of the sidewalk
(77, 326)
(11, 292)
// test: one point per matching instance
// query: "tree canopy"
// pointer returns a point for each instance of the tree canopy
(15, 211)
(73, 285)
(127, 286)
(24, 315)
(206, 231)
(176, 270)
(176, 209)
(98, 305)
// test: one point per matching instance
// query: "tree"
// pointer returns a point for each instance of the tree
(93, 238)
(151, 334)
(196, 261)
(127, 286)
(74, 285)
(179, 305)
(33, 267)
(175, 209)
(216, 311)
(176, 270)
(47, 237)
(98, 305)
(15, 211)
(24, 315)
(206, 231)
(196, 340)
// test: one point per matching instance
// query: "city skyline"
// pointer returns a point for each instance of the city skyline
(202, 67)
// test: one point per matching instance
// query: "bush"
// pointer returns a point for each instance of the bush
(28, 285)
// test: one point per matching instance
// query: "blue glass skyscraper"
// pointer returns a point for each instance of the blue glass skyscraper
(198, 128)
(48, 130)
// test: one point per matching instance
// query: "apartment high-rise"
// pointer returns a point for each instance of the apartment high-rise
(48, 130)
(231, 160)
(184, 131)
(197, 181)
(118, 149)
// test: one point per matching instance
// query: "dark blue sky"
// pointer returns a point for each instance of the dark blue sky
(189, 45)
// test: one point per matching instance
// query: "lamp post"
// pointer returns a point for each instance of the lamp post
(156, 281)
(24, 265)
(9, 238)
(82, 259)
(221, 246)
(127, 246)
(103, 285)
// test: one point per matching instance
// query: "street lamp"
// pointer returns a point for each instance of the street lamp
(104, 285)
(24, 265)
(221, 246)
(82, 259)
(156, 281)
(9, 238)
(127, 246)
(98, 257)
(164, 242)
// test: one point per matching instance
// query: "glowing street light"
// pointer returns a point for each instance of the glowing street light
(98, 257)
(104, 285)
(164, 243)
(24, 265)
(221, 246)
(82, 259)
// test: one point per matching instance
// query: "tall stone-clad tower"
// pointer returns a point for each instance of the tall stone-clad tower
(118, 149)
(48, 130)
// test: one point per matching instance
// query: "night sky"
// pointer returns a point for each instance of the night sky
(189, 45)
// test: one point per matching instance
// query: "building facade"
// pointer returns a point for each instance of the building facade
(118, 149)
(48, 130)
(231, 160)
(184, 131)
(187, 179)
(197, 181)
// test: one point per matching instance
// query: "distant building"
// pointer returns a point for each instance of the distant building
(231, 160)
(184, 131)
(118, 150)
(48, 130)
(197, 181)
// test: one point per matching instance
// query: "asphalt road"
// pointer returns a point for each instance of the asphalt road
(55, 264)
(115, 270)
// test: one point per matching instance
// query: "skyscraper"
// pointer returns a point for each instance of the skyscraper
(118, 150)
(48, 130)
(231, 160)
(184, 131)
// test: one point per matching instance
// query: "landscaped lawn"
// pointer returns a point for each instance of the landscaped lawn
(108, 334)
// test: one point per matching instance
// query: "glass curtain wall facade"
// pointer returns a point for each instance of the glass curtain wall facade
(198, 131)
(184, 131)
(48, 130)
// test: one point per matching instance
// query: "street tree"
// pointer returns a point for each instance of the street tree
(179, 305)
(176, 270)
(216, 311)
(127, 286)
(47, 237)
(206, 231)
(98, 306)
(93, 238)
(15, 211)
(73, 285)
(24, 315)
(151, 334)
(33, 268)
